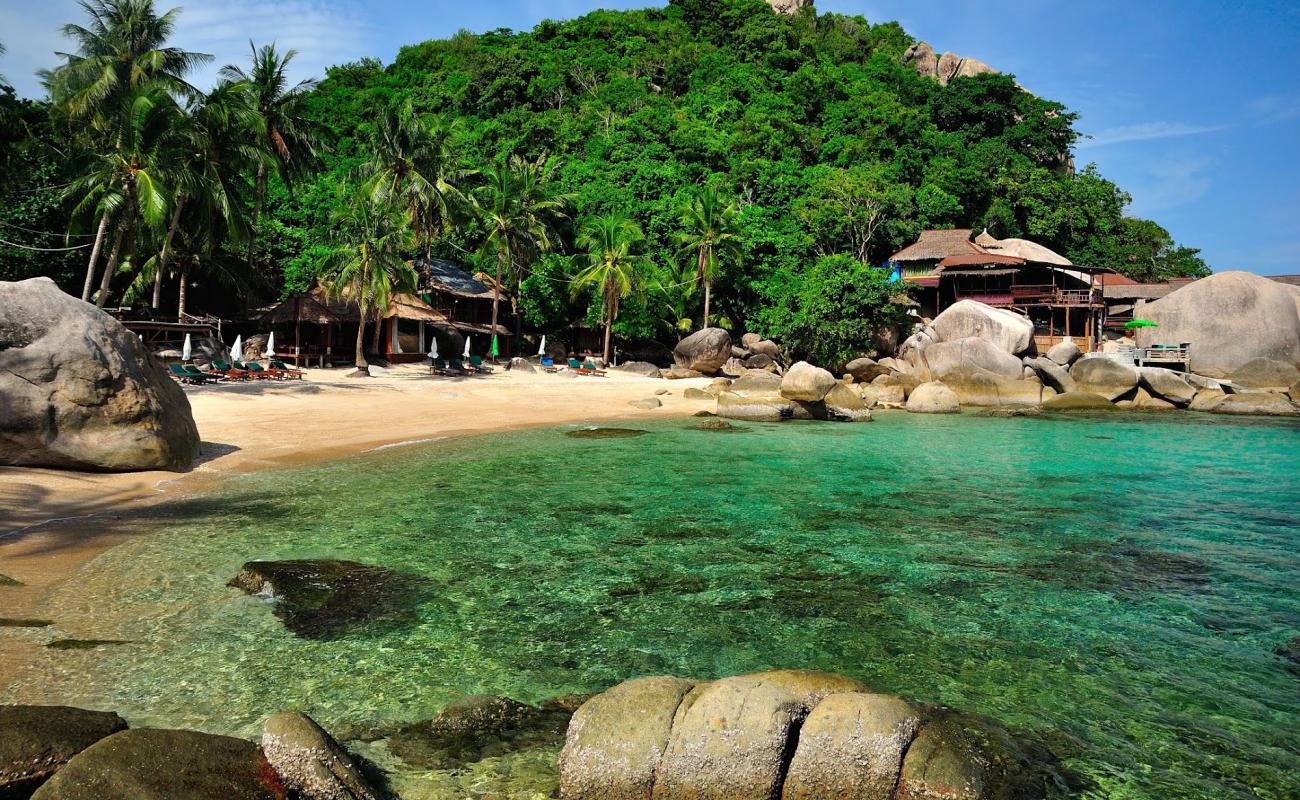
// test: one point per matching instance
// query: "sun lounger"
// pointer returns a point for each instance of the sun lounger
(549, 365)
(457, 366)
(195, 372)
(591, 369)
(576, 366)
(476, 364)
(180, 374)
(228, 372)
(286, 371)
(257, 371)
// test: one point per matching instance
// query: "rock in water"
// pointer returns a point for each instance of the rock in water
(704, 351)
(1230, 318)
(851, 748)
(309, 761)
(1269, 404)
(846, 405)
(36, 741)
(150, 764)
(78, 390)
(1104, 376)
(933, 398)
(1078, 401)
(805, 382)
(949, 356)
(321, 598)
(1008, 330)
(1167, 384)
(478, 727)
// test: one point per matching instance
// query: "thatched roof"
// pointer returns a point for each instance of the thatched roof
(938, 245)
(985, 238)
(402, 305)
(298, 307)
(1029, 251)
(975, 260)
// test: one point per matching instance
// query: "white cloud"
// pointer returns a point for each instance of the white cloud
(1145, 131)
(1170, 182)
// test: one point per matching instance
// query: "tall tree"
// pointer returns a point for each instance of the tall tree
(286, 131)
(121, 51)
(711, 234)
(366, 263)
(616, 264)
(518, 205)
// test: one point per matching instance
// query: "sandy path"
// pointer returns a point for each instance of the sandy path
(53, 521)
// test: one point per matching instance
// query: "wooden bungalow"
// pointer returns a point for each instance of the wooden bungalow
(466, 301)
(1061, 299)
(292, 313)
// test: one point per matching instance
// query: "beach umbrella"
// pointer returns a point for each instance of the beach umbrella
(185, 349)
(270, 345)
(495, 351)
(433, 347)
(541, 348)
(1140, 323)
(467, 338)
(237, 349)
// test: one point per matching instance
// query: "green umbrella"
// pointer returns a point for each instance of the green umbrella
(1140, 323)
(495, 352)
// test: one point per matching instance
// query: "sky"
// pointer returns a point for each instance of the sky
(1190, 105)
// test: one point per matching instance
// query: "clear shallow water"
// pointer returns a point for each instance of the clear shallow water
(1115, 586)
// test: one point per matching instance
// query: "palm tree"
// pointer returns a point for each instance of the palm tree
(286, 132)
(366, 264)
(712, 234)
(412, 164)
(614, 264)
(518, 207)
(120, 52)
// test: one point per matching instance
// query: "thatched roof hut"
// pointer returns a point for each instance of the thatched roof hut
(298, 307)
(403, 305)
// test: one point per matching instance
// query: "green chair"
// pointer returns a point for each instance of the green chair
(180, 374)
(229, 372)
(476, 364)
(254, 369)
(286, 371)
(576, 366)
(592, 370)
(195, 372)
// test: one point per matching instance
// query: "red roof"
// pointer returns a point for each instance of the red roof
(975, 260)
(938, 245)
(1116, 279)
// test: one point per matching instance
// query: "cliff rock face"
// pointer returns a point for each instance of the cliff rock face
(944, 68)
(789, 7)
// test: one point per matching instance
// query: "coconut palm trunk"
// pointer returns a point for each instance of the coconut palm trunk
(259, 192)
(362, 365)
(611, 310)
(180, 293)
(111, 267)
(94, 257)
(702, 272)
(166, 252)
(496, 288)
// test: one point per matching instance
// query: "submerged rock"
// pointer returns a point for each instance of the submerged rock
(719, 425)
(321, 598)
(605, 433)
(478, 727)
(80, 391)
(1291, 653)
(150, 764)
(310, 762)
(5, 580)
(83, 644)
(36, 741)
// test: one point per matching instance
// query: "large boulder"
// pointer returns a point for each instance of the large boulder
(1064, 352)
(1206, 399)
(978, 387)
(1078, 401)
(1104, 376)
(1167, 385)
(851, 748)
(865, 370)
(1011, 332)
(1270, 404)
(959, 756)
(643, 368)
(949, 356)
(310, 762)
(805, 382)
(1266, 373)
(754, 406)
(704, 351)
(617, 739)
(78, 390)
(1230, 318)
(756, 383)
(933, 398)
(36, 741)
(1053, 373)
(765, 347)
(323, 598)
(150, 764)
(846, 405)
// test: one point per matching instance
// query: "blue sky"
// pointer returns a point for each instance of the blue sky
(1193, 105)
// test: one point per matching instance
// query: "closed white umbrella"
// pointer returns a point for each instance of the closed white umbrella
(541, 348)
(270, 345)
(185, 349)
(467, 338)
(237, 349)
(433, 347)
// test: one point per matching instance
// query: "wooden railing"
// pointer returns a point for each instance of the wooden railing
(1024, 295)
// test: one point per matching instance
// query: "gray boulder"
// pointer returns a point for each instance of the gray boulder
(749, 340)
(805, 382)
(1269, 404)
(949, 356)
(696, 393)
(517, 364)
(1064, 353)
(36, 741)
(1104, 376)
(646, 403)
(851, 748)
(845, 405)
(310, 762)
(756, 383)
(1230, 319)
(754, 406)
(704, 351)
(150, 764)
(1167, 384)
(964, 319)
(617, 739)
(1078, 401)
(734, 367)
(933, 398)
(978, 387)
(1053, 374)
(1266, 373)
(865, 370)
(766, 347)
(1206, 399)
(885, 394)
(759, 361)
(78, 390)
(643, 368)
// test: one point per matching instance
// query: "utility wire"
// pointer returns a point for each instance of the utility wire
(46, 233)
(46, 249)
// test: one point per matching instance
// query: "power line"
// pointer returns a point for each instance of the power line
(46, 233)
(46, 249)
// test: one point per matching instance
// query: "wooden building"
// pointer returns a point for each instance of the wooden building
(312, 327)
(466, 302)
(1061, 299)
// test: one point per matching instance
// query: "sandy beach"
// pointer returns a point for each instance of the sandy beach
(52, 521)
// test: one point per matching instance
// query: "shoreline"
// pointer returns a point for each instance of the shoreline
(52, 522)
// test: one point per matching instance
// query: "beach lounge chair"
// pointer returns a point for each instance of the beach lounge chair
(548, 365)
(455, 366)
(286, 371)
(576, 366)
(228, 372)
(179, 373)
(438, 366)
(591, 369)
(476, 364)
(256, 371)
(195, 372)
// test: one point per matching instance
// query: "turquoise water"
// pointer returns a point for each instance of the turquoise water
(1115, 586)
